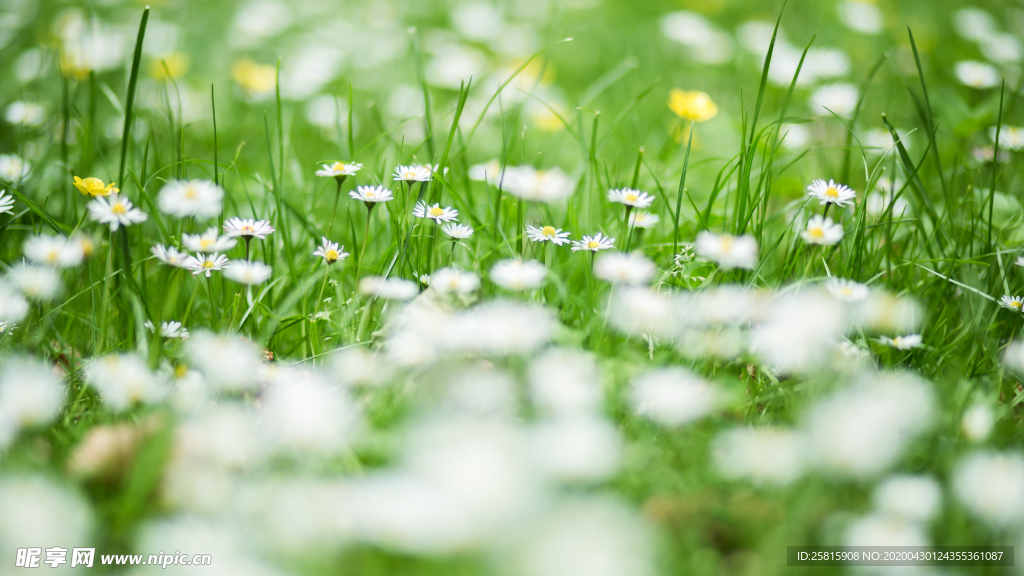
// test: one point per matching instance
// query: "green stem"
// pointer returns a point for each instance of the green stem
(366, 237)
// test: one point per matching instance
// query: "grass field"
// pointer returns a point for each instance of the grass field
(589, 287)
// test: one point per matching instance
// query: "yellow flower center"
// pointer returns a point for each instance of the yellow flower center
(180, 371)
(331, 255)
(692, 105)
(190, 193)
(371, 195)
(205, 243)
(207, 264)
(548, 231)
(727, 242)
(248, 231)
(817, 232)
(52, 256)
(593, 245)
(631, 197)
(409, 175)
(436, 212)
(339, 166)
(832, 192)
(846, 291)
(1016, 304)
(118, 208)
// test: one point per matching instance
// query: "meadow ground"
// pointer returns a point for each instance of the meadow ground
(523, 287)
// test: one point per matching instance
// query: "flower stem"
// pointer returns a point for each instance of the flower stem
(366, 236)
(337, 195)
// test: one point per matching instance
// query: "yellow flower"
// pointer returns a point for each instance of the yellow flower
(94, 187)
(177, 65)
(692, 105)
(253, 77)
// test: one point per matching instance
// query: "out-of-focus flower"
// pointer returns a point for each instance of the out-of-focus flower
(256, 80)
(847, 290)
(990, 485)
(692, 105)
(116, 211)
(840, 99)
(976, 74)
(977, 422)
(630, 197)
(457, 231)
(518, 274)
(529, 183)
(196, 198)
(762, 455)
(170, 66)
(860, 16)
(37, 509)
(6, 203)
(209, 241)
(388, 288)
(94, 187)
(25, 113)
(565, 382)
(707, 43)
(229, 363)
(30, 395)
(641, 219)
(619, 268)
(1010, 137)
(13, 305)
(912, 498)
(885, 530)
(124, 379)
(53, 251)
(169, 255)
(35, 282)
(248, 228)
(974, 23)
(906, 342)
(454, 281)
(822, 231)
(246, 272)
(13, 168)
(673, 396)
(729, 251)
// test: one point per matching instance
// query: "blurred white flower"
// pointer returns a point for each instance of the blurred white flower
(639, 310)
(640, 219)
(799, 332)
(673, 396)
(246, 272)
(861, 430)
(300, 412)
(974, 23)
(196, 198)
(822, 231)
(25, 113)
(229, 363)
(1002, 48)
(477, 20)
(630, 197)
(209, 241)
(906, 342)
(885, 530)
(454, 64)
(13, 305)
(529, 183)
(1010, 137)
(454, 281)
(990, 485)
(729, 251)
(707, 43)
(205, 263)
(619, 268)
(762, 455)
(6, 203)
(565, 382)
(518, 275)
(859, 16)
(582, 448)
(13, 168)
(388, 288)
(257, 20)
(55, 251)
(31, 394)
(123, 380)
(976, 74)
(500, 327)
(977, 422)
(840, 99)
(37, 510)
(847, 290)
(912, 498)
(169, 255)
(825, 63)
(795, 136)
(35, 282)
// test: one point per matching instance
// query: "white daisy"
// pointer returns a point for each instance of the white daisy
(245, 272)
(847, 290)
(6, 203)
(619, 268)
(529, 183)
(630, 197)
(902, 342)
(388, 288)
(414, 173)
(453, 281)
(339, 169)
(822, 231)
(593, 243)
(457, 231)
(171, 330)
(830, 192)
(976, 74)
(25, 113)
(53, 251)
(124, 379)
(115, 210)
(330, 251)
(729, 251)
(548, 234)
(196, 198)
(1010, 137)
(205, 263)
(640, 219)
(13, 305)
(169, 255)
(1020, 261)
(435, 212)
(518, 275)
(371, 194)
(35, 282)
(839, 98)
(209, 241)
(13, 168)
(1011, 302)
(248, 228)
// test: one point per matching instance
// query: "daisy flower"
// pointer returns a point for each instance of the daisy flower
(13, 168)
(1011, 302)
(53, 251)
(339, 170)
(245, 272)
(902, 342)
(630, 197)
(205, 263)
(388, 288)
(528, 183)
(729, 251)
(94, 187)
(115, 210)
(169, 255)
(838, 98)
(593, 243)
(822, 231)
(435, 212)
(846, 290)
(35, 282)
(6, 203)
(248, 228)
(209, 241)
(371, 194)
(518, 275)
(976, 74)
(619, 268)
(643, 220)
(170, 330)
(830, 192)
(330, 251)
(548, 234)
(454, 281)
(457, 231)
(197, 198)
(414, 173)
(1020, 261)
(1010, 137)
